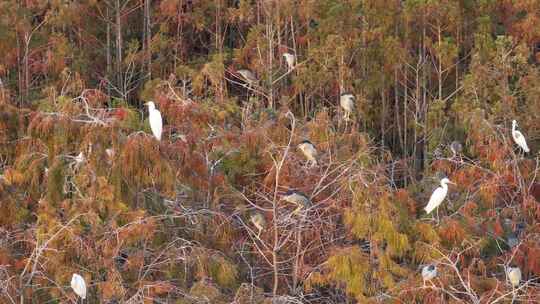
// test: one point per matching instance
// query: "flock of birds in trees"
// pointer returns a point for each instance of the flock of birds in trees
(301, 200)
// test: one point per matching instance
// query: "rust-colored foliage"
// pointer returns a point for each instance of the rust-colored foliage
(201, 215)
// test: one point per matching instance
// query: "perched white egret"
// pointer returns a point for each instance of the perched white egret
(429, 272)
(290, 59)
(154, 117)
(518, 137)
(298, 198)
(258, 220)
(514, 275)
(248, 76)
(78, 285)
(309, 151)
(346, 101)
(437, 197)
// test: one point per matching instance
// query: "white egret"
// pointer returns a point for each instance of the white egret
(514, 275)
(154, 117)
(438, 196)
(258, 220)
(518, 137)
(290, 59)
(346, 101)
(78, 285)
(429, 272)
(298, 198)
(309, 151)
(248, 76)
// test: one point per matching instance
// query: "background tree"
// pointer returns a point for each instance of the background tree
(85, 188)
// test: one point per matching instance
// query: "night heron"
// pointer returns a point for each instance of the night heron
(290, 59)
(512, 240)
(514, 275)
(309, 151)
(456, 147)
(78, 285)
(298, 198)
(154, 117)
(429, 272)
(346, 101)
(518, 137)
(258, 220)
(248, 75)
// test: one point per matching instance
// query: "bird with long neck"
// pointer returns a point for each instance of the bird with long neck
(154, 117)
(519, 138)
(438, 196)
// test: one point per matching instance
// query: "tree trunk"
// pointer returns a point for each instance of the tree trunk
(118, 24)
(26, 66)
(108, 53)
(146, 38)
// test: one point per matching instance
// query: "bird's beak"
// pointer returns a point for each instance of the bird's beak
(452, 183)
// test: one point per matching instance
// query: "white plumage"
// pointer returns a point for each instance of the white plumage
(437, 197)
(78, 285)
(290, 59)
(309, 151)
(429, 272)
(514, 275)
(156, 122)
(518, 137)
(346, 102)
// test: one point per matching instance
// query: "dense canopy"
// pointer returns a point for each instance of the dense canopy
(393, 95)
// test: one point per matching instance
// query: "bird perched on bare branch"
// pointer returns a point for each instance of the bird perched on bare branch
(298, 198)
(456, 147)
(155, 120)
(519, 138)
(309, 151)
(258, 220)
(438, 196)
(514, 275)
(290, 60)
(248, 75)
(429, 272)
(78, 285)
(346, 101)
